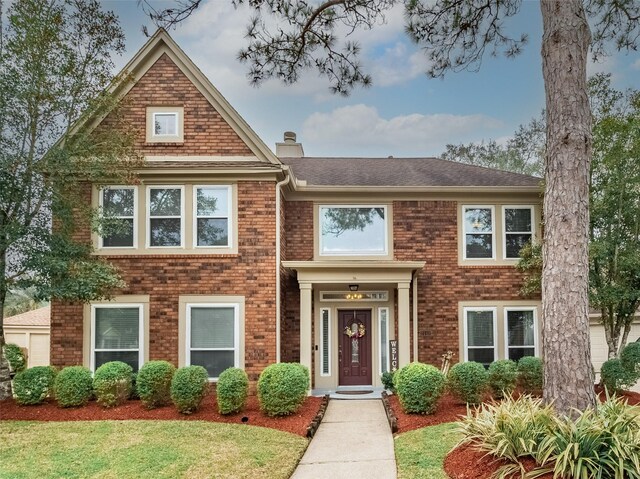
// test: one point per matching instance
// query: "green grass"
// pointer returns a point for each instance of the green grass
(145, 449)
(420, 453)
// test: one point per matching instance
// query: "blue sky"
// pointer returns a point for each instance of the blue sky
(404, 113)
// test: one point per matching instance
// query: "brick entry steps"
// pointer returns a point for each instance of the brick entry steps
(354, 441)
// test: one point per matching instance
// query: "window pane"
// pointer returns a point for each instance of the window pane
(517, 219)
(483, 356)
(480, 328)
(129, 357)
(165, 201)
(213, 361)
(516, 353)
(212, 201)
(165, 123)
(384, 341)
(122, 237)
(515, 242)
(325, 342)
(479, 246)
(212, 327)
(117, 201)
(117, 328)
(165, 232)
(213, 232)
(353, 230)
(477, 220)
(520, 328)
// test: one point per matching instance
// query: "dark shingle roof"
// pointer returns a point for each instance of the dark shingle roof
(400, 172)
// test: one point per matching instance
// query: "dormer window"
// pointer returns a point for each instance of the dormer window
(165, 124)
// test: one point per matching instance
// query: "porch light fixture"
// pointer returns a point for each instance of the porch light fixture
(353, 287)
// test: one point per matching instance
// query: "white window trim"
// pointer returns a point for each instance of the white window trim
(492, 232)
(140, 306)
(494, 310)
(134, 217)
(536, 350)
(182, 215)
(228, 216)
(236, 335)
(354, 253)
(380, 310)
(322, 345)
(176, 114)
(504, 227)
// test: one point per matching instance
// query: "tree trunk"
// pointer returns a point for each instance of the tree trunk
(568, 375)
(5, 378)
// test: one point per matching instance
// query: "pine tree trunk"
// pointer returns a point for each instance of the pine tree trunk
(5, 378)
(568, 375)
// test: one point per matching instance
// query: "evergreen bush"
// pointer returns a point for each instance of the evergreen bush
(73, 386)
(503, 377)
(530, 375)
(188, 387)
(112, 383)
(615, 377)
(232, 390)
(419, 387)
(15, 357)
(34, 385)
(387, 380)
(153, 383)
(282, 388)
(467, 381)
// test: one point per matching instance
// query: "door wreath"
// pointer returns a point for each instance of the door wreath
(355, 334)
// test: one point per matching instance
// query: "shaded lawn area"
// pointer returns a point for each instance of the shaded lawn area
(421, 453)
(145, 449)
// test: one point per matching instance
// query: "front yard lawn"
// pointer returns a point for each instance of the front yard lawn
(145, 449)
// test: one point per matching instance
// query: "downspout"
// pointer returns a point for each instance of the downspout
(415, 316)
(279, 186)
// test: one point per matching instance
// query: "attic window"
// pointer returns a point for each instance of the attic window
(165, 124)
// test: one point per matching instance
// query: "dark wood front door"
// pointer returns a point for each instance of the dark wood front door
(354, 349)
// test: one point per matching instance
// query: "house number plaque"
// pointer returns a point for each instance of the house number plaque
(393, 354)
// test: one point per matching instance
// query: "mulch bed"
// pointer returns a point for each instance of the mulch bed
(449, 410)
(295, 423)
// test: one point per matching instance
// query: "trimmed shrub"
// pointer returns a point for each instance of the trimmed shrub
(615, 377)
(503, 377)
(153, 383)
(282, 388)
(188, 387)
(73, 386)
(34, 385)
(630, 357)
(467, 381)
(419, 387)
(387, 380)
(232, 390)
(15, 357)
(530, 375)
(112, 383)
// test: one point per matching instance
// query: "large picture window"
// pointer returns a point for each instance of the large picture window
(165, 216)
(353, 230)
(521, 332)
(213, 337)
(117, 334)
(212, 223)
(478, 232)
(119, 203)
(518, 229)
(480, 335)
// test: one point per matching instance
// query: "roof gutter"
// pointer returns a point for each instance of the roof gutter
(279, 185)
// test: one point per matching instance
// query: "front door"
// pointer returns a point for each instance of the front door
(354, 347)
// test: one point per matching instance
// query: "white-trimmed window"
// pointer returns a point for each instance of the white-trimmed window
(166, 124)
(325, 342)
(353, 230)
(383, 327)
(480, 335)
(165, 213)
(518, 229)
(212, 212)
(521, 332)
(213, 337)
(478, 232)
(117, 334)
(119, 203)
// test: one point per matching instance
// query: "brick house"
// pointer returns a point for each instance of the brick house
(236, 256)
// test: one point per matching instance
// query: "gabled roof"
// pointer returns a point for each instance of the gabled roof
(402, 172)
(36, 317)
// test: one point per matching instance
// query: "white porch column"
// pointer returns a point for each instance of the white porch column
(305, 325)
(404, 336)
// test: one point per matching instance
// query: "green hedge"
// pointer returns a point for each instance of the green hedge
(232, 390)
(112, 383)
(153, 383)
(188, 387)
(15, 357)
(419, 387)
(468, 381)
(615, 377)
(531, 375)
(503, 377)
(73, 386)
(282, 388)
(34, 385)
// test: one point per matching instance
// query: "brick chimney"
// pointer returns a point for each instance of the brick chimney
(289, 148)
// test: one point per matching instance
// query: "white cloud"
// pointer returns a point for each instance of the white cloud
(360, 130)
(636, 64)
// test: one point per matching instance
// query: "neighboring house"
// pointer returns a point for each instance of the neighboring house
(236, 256)
(30, 330)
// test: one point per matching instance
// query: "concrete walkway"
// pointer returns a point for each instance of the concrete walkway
(353, 441)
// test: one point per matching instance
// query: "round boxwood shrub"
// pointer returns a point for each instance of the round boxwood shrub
(419, 387)
(34, 385)
(503, 377)
(15, 357)
(282, 388)
(530, 374)
(188, 387)
(112, 383)
(630, 357)
(467, 381)
(153, 383)
(73, 386)
(232, 390)
(615, 377)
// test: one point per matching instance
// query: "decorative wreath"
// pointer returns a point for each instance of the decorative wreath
(358, 334)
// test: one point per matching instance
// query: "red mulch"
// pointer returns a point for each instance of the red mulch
(295, 423)
(449, 410)
(631, 397)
